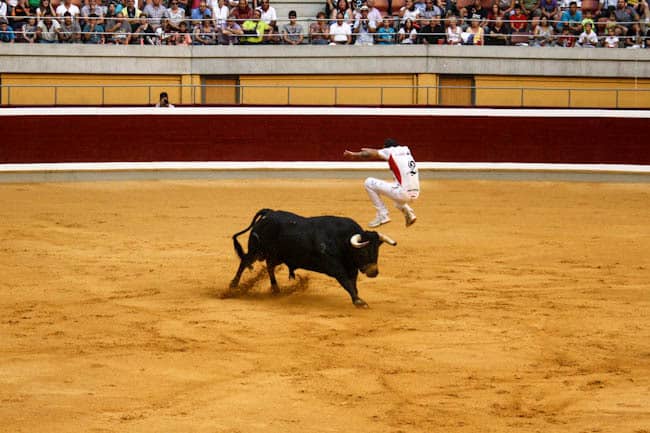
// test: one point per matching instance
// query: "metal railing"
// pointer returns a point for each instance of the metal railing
(321, 95)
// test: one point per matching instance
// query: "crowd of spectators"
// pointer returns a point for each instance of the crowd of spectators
(565, 23)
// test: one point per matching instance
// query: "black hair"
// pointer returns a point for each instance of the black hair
(389, 142)
(163, 95)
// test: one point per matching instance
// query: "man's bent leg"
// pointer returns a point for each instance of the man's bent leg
(374, 187)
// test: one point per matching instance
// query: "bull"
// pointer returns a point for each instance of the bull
(334, 246)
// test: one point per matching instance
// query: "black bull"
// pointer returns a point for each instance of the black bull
(331, 245)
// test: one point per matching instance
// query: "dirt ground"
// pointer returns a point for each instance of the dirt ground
(508, 307)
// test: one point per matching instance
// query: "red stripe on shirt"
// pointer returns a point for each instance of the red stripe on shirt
(393, 166)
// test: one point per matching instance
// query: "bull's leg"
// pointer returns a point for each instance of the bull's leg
(292, 275)
(350, 285)
(246, 262)
(270, 267)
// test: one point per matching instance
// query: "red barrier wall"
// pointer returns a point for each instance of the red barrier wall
(113, 138)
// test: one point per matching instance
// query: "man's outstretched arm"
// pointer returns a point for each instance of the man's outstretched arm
(366, 154)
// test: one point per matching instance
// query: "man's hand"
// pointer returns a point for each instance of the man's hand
(349, 155)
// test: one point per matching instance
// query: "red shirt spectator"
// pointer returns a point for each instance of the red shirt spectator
(242, 12)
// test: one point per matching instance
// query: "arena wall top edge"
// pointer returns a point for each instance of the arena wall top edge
(320, 134)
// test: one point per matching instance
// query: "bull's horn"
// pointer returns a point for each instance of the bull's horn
(386, 239)
(355, 240)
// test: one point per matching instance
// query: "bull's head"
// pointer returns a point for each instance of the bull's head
(365, 250)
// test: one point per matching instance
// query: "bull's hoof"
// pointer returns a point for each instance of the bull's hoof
(275, 290)
(360, 303)
(233, 284)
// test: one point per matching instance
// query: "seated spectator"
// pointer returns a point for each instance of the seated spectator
(625, 15)
(634, 38)
(292, 31)
(566, 39)
(48, 30)
(4, 10)
(573, 17)
(93, 31)
(204, 34)
(28, 32)
(45, 6)
(242, 12)
(550, 9)
(255, 30)
(518, 20)
(319, 31)
(408, 12)
(202, 12)
(498, 33)
(145, 34)
(433, 33)
(220, 12)
(453, 32)
(407, 34)
(506, 7)
(270, 17)
(364, 28)
(70, 29)
(157, 14)
(588, 38)
(344, 9)
(385, 34)
(374, 15)
(19, 15)
(340, 31)
(430, 10)
(231, 32)
(176, 17)
(182, 37)
(482, 13)
(131, 16)
(92, 8)
(611, 41)
(475, 33)
(494, 13)
(7, 34)
(543, 35)
(67, 6)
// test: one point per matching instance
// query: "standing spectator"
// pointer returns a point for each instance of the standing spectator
(7, 34)
(220, 12)
(364, 28)
(231, 32)
(454, 32)
(340, 31)
(497, 33)
(45, 6)
(407, 33)
(48, 30)
(67, 6)
(319, 31)
(70, 30)
(386, 32)
(28, 32)
(157, 14)
(292, 32)
(242, 12)
(93, 31)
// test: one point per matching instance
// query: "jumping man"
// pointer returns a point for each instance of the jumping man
(405, 188)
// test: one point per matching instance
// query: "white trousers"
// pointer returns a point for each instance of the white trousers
(393, 190)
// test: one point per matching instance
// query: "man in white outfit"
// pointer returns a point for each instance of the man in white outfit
(405, 188)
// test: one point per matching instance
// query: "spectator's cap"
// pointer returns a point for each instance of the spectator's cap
(364, 8)
(292, 14)
(389, 142)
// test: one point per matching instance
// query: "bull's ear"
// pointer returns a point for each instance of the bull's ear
(384, 238)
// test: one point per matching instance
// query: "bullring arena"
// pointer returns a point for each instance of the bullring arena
(516, 303)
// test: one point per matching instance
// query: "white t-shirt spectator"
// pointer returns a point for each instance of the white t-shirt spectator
(220, 15)
(73, 9)
(340, 32)
(588, 40)
(269, 15)
(3, 9)
(49, 34)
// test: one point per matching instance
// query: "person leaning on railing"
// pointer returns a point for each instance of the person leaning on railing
(70, 30)
(48, 30)
(231, 32)
(7, 34)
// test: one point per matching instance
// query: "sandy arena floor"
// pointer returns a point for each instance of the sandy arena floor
(508, 307)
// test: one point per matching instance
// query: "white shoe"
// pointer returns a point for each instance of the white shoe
(409, 216)
(379, 220)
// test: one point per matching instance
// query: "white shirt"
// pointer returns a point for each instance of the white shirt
(3, 9)
(340, 32)
(49, 34)
(220, 14)
(269, 15)
(589, 40)
(402, 165)
(74, 10)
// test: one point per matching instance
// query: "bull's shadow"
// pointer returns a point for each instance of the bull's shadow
(258, 286)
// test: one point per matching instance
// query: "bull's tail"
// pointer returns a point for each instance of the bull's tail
(258, 216)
